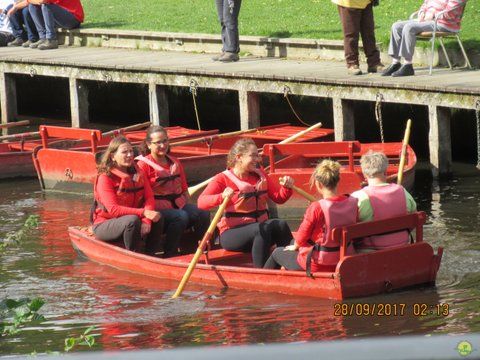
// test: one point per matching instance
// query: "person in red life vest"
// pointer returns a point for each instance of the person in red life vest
(245, 225)
(167, 179)
(314, 248)
(381, 200)
(124, 207)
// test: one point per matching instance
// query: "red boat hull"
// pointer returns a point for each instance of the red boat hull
(16, 159)
(355, 276)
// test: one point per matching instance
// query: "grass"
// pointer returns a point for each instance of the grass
(313, 19)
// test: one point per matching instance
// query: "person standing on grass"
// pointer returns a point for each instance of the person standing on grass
(50, 14)
(228, 11)
(357, 18)
(404, 33)
(167, 178)
(314, 248)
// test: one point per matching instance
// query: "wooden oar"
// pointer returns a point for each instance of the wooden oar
(21, 136)
(305, 194)
(403, 155)
(193, 189)
(206, 238)
(216, 136)
(116, 132)
(13, 124)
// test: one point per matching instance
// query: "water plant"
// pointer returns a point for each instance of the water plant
(15, 314)
(16, 237)
(85, 339)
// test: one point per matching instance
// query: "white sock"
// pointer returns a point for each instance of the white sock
(395, 60)
(408, 61)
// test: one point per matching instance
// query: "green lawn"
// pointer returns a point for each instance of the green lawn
(316, 19)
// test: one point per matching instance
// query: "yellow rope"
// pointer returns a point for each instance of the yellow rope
(193, 90)
(286, 91)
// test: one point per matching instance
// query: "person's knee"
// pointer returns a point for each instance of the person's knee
(133, 221)
(397, 27)
(410, 29)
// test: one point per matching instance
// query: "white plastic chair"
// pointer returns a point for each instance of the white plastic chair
(433, 35)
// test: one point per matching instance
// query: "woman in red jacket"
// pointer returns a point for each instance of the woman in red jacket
(166, 176)
(314, 248)
(245, 225)
(124, 207)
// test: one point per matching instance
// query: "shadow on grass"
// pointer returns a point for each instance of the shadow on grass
(300, 34)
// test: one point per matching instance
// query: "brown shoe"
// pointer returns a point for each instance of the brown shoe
(376, 69)
(354, 70)
(218, 56)
(229, 57)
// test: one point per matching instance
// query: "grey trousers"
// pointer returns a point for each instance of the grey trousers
(228, 11)
(127, 228)
(403, 37)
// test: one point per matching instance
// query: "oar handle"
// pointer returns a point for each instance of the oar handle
(215, 136)
(208, 235)
(128, 128)
(20, 136)
(300, 134)
(403, 154)
(13, 124)
(305, 194)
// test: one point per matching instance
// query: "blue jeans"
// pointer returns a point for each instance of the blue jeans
(228, 11)
(18, 21)
(176, 221)
(49, 16)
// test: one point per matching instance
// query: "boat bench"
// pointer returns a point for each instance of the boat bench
(23, 147)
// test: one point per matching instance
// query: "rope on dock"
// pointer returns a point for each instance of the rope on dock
(286, 92)
(193, 90)
(378, 114)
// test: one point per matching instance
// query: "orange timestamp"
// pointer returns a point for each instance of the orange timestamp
(390, 309)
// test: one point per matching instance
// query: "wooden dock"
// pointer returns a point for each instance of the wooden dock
(250, 77)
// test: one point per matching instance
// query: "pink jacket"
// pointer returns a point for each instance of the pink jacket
(451, 19)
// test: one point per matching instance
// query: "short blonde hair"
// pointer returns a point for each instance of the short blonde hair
(240, 147)
(374, 164)
(327, 173)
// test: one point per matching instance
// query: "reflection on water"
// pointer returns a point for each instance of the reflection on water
(134, 311)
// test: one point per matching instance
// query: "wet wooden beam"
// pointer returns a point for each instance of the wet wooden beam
(8, 98)
(79, 103)
(439, 139)
(343, 119)
(249, 103)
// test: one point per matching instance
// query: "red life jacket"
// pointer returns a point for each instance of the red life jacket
(326, 251)
(251, 204)
(130, 192)
(167, 189)
(387, 201)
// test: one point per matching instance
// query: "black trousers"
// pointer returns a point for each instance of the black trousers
(257, 238)
(280, 257)
(127, 228)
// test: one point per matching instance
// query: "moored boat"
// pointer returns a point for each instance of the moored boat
(358, 275)
(74, 170)
(299, 161)
(16, 158)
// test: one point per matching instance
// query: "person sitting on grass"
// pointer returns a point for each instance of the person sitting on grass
(314, 248)
(50, 14)
(404, 33)
(23, 28)
(380, 200)
(166, 176)
(245, 225)
(124, 207)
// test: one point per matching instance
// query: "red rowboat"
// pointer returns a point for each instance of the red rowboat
(73, 167)
(16, 158)
(354, 276)
(299, 161)
(74, 170)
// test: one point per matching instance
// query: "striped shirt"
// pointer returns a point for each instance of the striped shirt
(451, 19)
